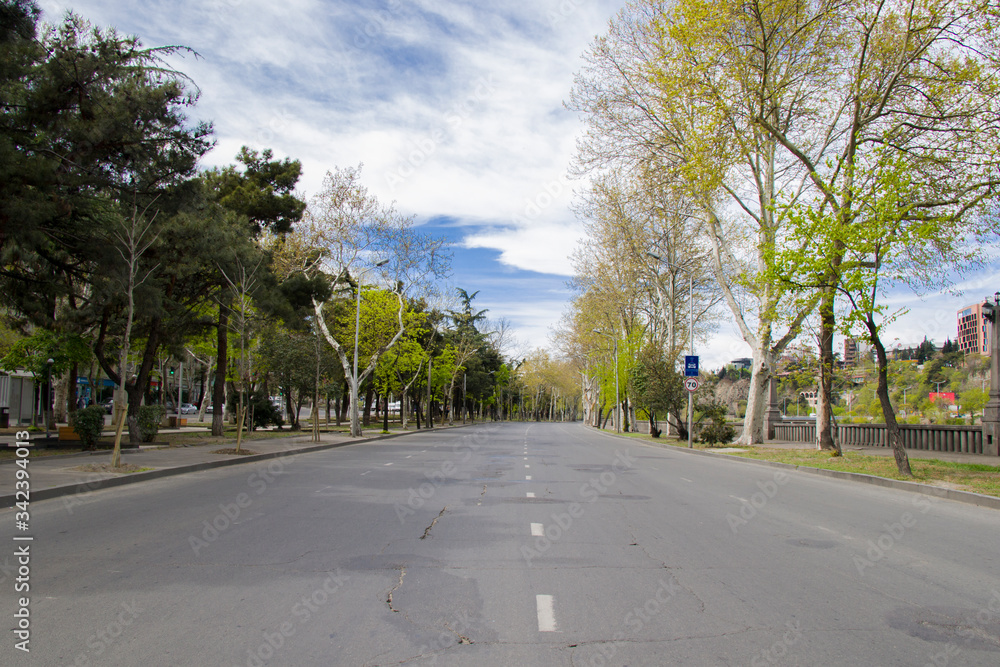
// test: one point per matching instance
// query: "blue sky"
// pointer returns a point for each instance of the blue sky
(454, 107)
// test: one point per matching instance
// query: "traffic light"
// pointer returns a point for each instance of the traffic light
(171, 370)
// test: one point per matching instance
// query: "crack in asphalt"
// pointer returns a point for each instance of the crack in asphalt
(444, 509)
(388, 599)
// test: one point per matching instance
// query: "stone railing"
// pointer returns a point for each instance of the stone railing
(929, 437)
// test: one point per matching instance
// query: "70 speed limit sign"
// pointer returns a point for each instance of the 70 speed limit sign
(691, 384)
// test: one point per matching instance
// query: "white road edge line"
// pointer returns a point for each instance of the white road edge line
(537, 530)
(545, 604)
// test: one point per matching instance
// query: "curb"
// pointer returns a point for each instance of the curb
(967, 497)
(8, 500)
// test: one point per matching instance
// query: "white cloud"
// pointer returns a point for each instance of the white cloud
(542, 247)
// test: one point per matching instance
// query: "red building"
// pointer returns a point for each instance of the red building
(973, 336)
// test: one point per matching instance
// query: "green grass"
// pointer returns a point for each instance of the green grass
(975, 477)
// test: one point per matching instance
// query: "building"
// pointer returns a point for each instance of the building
(973, 335)
(850, 351)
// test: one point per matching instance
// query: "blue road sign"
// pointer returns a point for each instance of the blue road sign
(690, 366)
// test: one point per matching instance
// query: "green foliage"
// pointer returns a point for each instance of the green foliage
(656, 387)
(716, 431)
(88, 424)
(32, 353)
(149, 418)
(263, 192)
(264, 413)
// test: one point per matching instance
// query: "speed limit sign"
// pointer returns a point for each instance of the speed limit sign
(691, 384)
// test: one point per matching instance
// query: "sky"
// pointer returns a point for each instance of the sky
(456, 111)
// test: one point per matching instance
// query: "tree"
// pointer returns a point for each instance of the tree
(261, 195)
(658, 388)
(909, 89)
(347, 233)
(674, 88)
(894, 238)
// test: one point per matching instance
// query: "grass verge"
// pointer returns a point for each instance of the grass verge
(975, 477)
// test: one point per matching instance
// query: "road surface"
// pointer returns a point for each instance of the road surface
(513, 544)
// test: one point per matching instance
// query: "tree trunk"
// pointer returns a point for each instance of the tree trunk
(369, 395)
(895, 441)
(757, 399)
(221, 356)
(824, 406)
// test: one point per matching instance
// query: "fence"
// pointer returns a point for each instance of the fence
(929, 437)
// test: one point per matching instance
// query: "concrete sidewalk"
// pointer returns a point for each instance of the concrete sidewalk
(57, 475)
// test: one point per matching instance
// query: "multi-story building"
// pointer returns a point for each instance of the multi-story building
(973, 336)
(850, 351)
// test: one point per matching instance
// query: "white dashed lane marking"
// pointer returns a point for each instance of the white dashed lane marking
(545, 604)
(537, 530)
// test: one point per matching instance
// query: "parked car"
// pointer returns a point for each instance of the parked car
(208, 409)
(188, 409)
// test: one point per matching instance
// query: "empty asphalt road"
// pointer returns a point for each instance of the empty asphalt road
(513, 544)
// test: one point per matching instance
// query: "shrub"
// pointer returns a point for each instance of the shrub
(88, 423)
(717, 431)
(264, 413)
(149, 418)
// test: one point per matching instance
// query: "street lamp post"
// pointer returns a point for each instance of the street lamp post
(355, 414)
(991, 412)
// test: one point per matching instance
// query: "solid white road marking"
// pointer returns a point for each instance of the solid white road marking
(389, 463)
(545, 604)
(686, 479)
(365, 473)
(537, 530)
(530, 494)
(742, 500)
